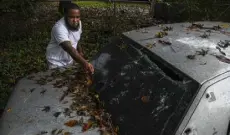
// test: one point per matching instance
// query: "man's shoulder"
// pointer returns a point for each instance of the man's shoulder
(60, 25)
(60, 22)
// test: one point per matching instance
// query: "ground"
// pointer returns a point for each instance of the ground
(24, 40)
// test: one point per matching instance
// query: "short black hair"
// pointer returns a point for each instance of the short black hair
(70, 6)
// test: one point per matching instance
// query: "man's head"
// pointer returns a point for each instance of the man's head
(72, 16)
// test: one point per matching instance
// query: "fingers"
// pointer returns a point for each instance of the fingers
(91, 68)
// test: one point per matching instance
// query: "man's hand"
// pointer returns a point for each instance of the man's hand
(89, 67)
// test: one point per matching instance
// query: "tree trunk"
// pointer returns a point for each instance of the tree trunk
(152, 8)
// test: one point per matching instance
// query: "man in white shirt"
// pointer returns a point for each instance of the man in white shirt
(63, 47)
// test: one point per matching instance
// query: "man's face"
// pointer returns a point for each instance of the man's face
(73, 18)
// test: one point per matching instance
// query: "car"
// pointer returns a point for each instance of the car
(170, 79)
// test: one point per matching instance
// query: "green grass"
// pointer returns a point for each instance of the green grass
(101, 4)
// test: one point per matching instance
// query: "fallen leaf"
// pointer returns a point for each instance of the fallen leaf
(71, 123)
(46, 109)
(223, 59)
(67, 133)
(32, 90)
(89, 82)
(104, 132)
(59, 131)
(43, 92)
(83, 107)
(44, 132)
(150, 45)
(81, 121)
(116, 129)
(191, 57)
(53, 131)
(145, 99)
(87, 126)
(65, 102)
(9, 110)
(56, 114)
(67, 112)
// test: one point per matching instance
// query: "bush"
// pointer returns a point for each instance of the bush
(205, 9)
(21, 7)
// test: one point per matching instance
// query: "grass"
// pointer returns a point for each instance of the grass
(101, 4)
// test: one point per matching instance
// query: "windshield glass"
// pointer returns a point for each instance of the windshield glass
(143, 96)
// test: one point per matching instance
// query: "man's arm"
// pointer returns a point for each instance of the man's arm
(80, 50)
(66, 45)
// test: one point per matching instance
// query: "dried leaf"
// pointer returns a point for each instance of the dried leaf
(104, 132)
(67, 112)
(81, 121)
(43, 92)
(59, 131)
(191, 57)
(166, 28)
(87, 126)
(150, 46)
(32, 90)
(116, 129)
(65, 93)
(89, 82)
(145, 99)
(9, 110)
(43, 132)
(164, 42)
(64, 102)
(223, 59)
(46, 109)
(161, 34)
(56, 114)
(53, 131)
(83, 108)
(71, 123)
(67, 133)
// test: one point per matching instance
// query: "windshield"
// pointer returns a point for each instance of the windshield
(143, 96)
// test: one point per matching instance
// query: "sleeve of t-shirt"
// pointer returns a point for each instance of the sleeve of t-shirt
(60, 34)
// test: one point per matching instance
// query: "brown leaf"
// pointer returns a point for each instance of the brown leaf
(67, 133)
(87, 126)
(89, 82)
(71, 123)
(9, 110)
(105, 132)
(116, 129)
(145, 99)
(83, 108)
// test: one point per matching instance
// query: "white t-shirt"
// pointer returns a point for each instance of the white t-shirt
(55, 55)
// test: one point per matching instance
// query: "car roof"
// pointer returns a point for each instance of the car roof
(185, 43)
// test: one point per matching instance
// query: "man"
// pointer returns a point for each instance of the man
(63, 47)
